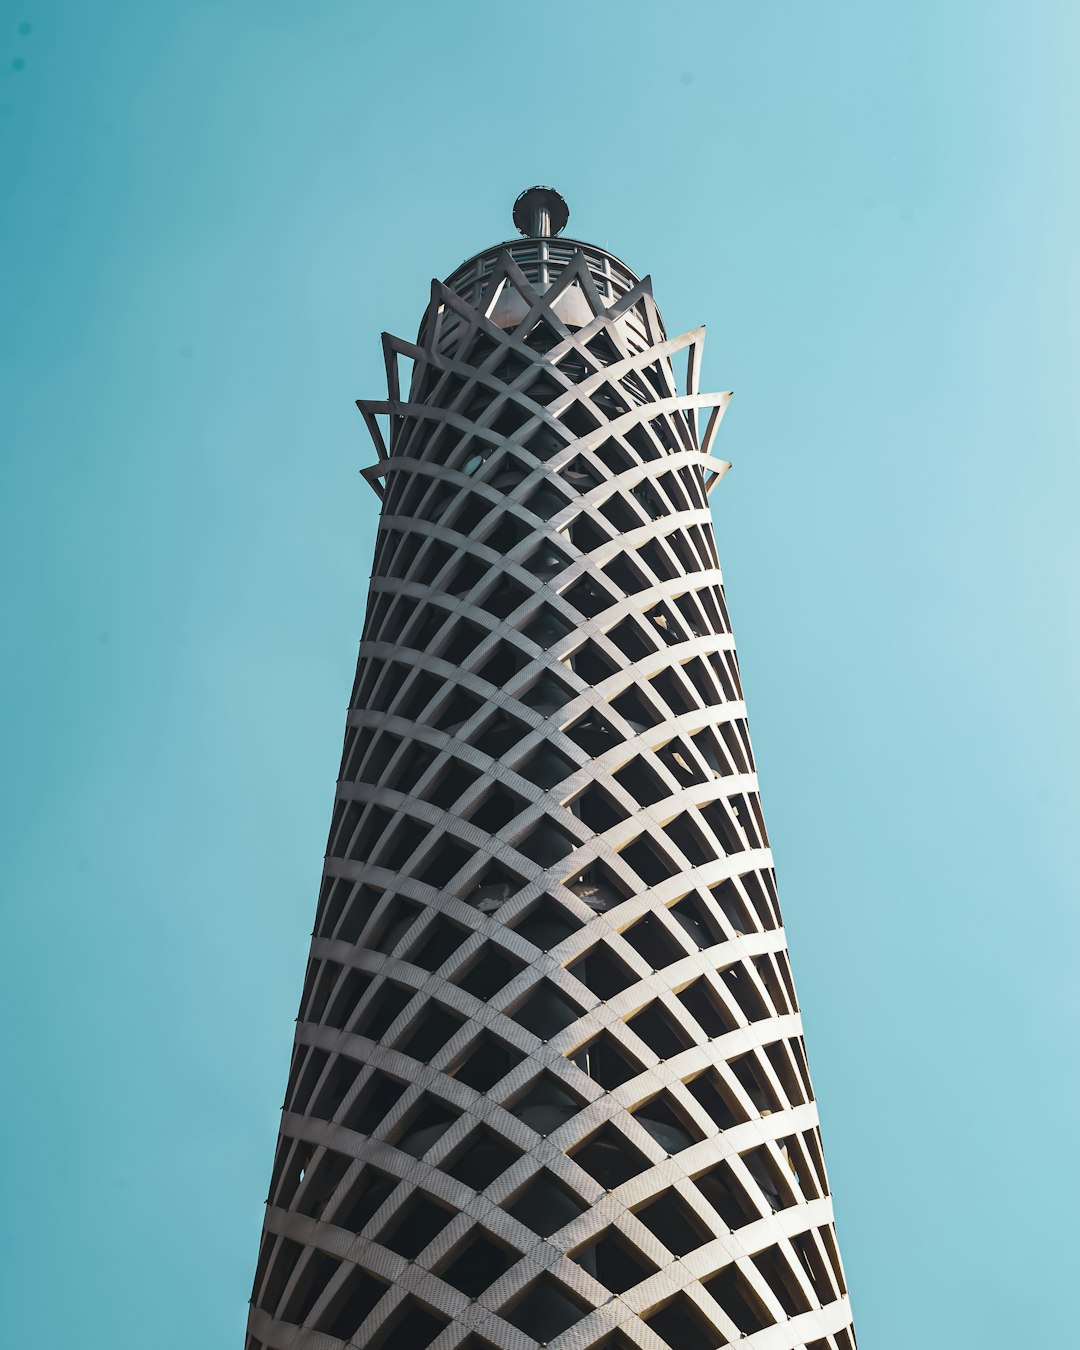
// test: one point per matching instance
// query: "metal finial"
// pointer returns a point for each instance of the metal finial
(540, 212)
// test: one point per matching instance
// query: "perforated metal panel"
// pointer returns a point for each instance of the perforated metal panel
(549, 1083)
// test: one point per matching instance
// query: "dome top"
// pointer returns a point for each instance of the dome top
(540, 212)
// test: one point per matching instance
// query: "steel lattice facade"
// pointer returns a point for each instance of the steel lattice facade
(549, 1084)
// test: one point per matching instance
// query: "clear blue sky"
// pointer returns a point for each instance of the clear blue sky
(209, 211)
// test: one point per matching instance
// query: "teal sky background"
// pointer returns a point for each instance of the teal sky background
(209, 211)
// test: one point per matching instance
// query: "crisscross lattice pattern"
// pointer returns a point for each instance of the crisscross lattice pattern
(549, 1084)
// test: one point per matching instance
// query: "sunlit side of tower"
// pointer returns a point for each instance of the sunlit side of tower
(549, 1084)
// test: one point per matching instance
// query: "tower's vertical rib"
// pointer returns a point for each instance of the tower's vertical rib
(549, 1083)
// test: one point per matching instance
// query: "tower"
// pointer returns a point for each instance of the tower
(549, 1084)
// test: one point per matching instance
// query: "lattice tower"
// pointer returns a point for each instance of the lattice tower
(549, 1084)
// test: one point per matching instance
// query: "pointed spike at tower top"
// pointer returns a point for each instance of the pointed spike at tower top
(540, 213)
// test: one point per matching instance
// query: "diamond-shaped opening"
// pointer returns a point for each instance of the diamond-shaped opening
(498, 808)
(774, 1268)
(411, 767)
(546, 1309)
(738, 1298)
(427, 1124)
(438, 942)
(484, 1156)
(335, 1088)
(546, 766)
(813, 1265)
(541, 337)
(727, 1195)
(669, 1126)
(503, 664)
(578, 419)
(478, 1263)
(659, 1030)
(300, 1084)
(599, 887)
(544, 1204)
(575, 366)
(547, 695)
(384, 1009)
(693, 914)
(416, 1225)
(547, 562)
(606, 1062)
(609, 1157)
(547, 843)
(633, 707)
(368, 1194)
(652, 941)
(480, 349)
(290, 1162)
(406, 837)
(487, 1063)
(547, 627)
(603, 349)
(748, 1070)
(492, 969)
(510, 367)
(670, 1219)
(581, 475)
(413, 1327)
(615, 1261)
(458, 642)
(597, 809)
(500, 733)
(701, 1002)
(716, 1098)
(782, 1067)
(680, 763)
(508, 472)
(280, 1270)
(546, 1011)
(645, 786)
(321, 1182)
(510, 416)
(588, 597)
(649, 860)
(430, 1032)
(544, 388)
(451, 781)
(495, 886)
(465, 576)
(544, 441)
(505, 597)
(445, 860)
(585, 534)
(681, 1325)
(546, 924)
(546, 500)
(352, 1304)
(456, 711)
(396, 920)
(620, 513)
(591, 664)
(310, 1287)
(774, 1185)
(469, 513)
(508, 531)
(546, 1104)
(740, 983)
(592, 733)
(602, 972)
